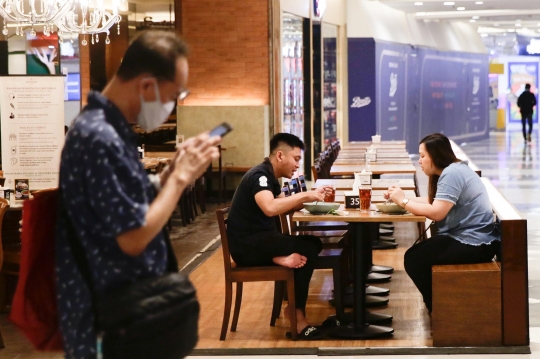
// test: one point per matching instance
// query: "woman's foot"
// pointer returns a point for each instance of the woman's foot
(294, 260)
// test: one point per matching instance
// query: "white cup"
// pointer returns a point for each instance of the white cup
(376, 139)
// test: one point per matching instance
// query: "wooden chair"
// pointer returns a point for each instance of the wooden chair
(4, 204)
(316, 171)
(239, 275)
(220, 175)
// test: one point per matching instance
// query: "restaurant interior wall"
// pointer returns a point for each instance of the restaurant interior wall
(230, 75)
(518, 70)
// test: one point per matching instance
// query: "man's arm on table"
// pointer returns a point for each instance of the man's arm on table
(275, 206)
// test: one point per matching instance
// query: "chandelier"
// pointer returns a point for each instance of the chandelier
(69, 16)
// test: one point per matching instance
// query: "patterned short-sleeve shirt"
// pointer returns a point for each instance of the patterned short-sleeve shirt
(106, 192)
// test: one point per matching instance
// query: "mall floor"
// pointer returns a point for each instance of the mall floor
(511, 164)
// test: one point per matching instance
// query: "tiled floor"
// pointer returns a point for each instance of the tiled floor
(513, 166)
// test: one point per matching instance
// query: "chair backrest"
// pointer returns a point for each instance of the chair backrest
(222, 224)
(4, 204)
(315, 170)
(302, 181)
(294, 185)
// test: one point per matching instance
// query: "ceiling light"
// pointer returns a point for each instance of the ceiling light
(511, 30)
(461, 8)
(472, 20)
(418, 3)
(449, 3)
(479, 2)
(69, 16)
(484, 35)
(518, 24)
(476, 17)
(422, 13)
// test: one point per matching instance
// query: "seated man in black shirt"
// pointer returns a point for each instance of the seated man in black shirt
(253, 237)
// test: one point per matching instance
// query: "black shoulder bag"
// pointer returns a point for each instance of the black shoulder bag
(151, 318)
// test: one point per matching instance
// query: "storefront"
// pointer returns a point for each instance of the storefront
(312, 39)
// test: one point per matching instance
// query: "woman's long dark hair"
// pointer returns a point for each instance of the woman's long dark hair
(440, 150)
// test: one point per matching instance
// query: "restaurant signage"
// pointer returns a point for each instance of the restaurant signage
(32, 125)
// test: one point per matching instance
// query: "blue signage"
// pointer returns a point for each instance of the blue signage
(74, 87)
(528, 46)
(406, 93)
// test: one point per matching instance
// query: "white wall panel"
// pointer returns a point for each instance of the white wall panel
(296, 7)
(335, 12)
(375, 20)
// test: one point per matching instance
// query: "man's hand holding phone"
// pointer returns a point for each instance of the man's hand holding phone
(194, 155)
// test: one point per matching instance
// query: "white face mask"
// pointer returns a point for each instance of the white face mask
(154, 113)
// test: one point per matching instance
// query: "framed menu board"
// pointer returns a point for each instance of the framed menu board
(32, 126)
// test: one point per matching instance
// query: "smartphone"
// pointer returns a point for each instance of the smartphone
(221, 130)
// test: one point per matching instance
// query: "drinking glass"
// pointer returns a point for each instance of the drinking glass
(330, 197)
(365, 198)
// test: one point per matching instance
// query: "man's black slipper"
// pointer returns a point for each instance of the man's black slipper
(308, 333)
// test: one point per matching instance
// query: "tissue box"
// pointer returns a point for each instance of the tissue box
(363, 178)
(371, 156)
(352, 199)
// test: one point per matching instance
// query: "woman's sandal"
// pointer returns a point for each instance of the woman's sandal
(308, 333)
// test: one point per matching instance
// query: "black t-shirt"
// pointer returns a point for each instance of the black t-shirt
(526, 102)
(246, 217)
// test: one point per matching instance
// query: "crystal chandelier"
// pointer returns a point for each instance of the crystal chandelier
(32, 12)
(91, 18)
(69, 16)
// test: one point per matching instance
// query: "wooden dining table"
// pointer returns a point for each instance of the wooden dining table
(376, 184)
(355, 144)
(361, 155)
(375, 168)
(364, 226)
(362, 161)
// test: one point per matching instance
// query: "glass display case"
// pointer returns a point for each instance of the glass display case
(293, 75)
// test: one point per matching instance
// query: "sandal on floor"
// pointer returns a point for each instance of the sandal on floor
(308, 333)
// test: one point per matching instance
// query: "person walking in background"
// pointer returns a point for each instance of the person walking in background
(526, 102)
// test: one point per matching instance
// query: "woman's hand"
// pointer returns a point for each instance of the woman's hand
(396, 194)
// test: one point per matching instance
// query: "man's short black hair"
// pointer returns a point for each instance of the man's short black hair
(155, 53)
(286, 138)
(527, 86)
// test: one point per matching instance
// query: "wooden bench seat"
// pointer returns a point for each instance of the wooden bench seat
(486, 304)
(467, 305)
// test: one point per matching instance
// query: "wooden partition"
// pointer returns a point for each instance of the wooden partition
(514, 274)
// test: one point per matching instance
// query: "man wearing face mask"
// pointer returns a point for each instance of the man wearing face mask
(117, 213)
